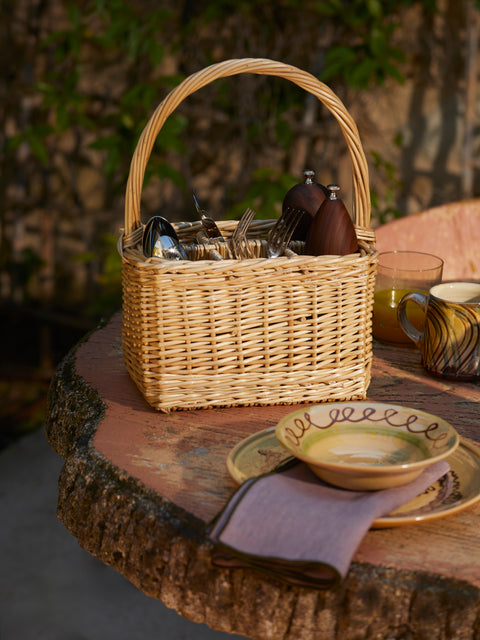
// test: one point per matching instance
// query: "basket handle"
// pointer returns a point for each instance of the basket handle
(261, 66)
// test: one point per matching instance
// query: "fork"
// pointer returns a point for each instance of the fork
(238, 242)
(210, 227)
(281, 233)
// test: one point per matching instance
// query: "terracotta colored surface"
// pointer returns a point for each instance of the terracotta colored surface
(182, 455)
(451, 231)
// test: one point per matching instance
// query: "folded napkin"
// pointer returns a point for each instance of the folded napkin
(292, 525)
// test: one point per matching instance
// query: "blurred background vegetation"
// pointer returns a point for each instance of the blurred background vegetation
(80, 78)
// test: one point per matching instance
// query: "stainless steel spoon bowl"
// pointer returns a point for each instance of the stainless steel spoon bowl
(160, 239)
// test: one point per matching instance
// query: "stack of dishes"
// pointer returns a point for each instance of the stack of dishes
(368, 446)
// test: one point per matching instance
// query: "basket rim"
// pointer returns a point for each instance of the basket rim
(130, 252)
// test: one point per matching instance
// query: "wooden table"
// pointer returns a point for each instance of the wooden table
(138, 488)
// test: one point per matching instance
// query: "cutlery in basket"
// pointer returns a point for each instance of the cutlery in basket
(210, 226)
(239, 243)
(281, 233)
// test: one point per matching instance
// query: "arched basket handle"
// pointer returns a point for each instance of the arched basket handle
(261, 66)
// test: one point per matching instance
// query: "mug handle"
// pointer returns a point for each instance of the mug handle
(422, 300)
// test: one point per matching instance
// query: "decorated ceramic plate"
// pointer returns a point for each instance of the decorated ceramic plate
(458, 489)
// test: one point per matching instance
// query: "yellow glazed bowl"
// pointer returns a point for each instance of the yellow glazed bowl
(366, 445)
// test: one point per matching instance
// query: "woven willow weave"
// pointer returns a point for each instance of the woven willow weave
(202, 333)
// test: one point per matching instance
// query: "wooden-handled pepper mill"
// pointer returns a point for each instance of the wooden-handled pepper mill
(332, 231)
(307, 195)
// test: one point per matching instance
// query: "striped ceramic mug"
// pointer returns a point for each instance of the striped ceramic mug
(450, 340)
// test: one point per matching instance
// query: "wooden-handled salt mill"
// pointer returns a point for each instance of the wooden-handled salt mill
(332, 231)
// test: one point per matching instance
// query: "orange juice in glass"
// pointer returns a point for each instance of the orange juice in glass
(398, 273)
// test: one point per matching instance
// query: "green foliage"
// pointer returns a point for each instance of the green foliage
(266, 193)
(109, 278)
(372, 58)
(119, 34)
(383, 208)
(133, 40)
(107, 298)
(34, 136)
(137, 36)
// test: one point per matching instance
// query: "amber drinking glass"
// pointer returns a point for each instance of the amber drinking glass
(399, 273)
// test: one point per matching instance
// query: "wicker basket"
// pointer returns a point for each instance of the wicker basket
(203, 333)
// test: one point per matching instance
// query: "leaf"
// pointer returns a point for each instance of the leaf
(169, 137)
(38, 147)
(105, 143)
(164, 171)
(156, 53)
(62, 117)
(392, 71)
(378, 42)
(338, 60)
(113, 161)
(330, 8)
(374, 8)
(362, 73)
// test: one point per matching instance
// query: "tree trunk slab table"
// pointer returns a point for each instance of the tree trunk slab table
(138, 488)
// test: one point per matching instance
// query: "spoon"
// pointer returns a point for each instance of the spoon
(160, 239)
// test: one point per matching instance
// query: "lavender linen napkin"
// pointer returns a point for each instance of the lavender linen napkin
(292, 525)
